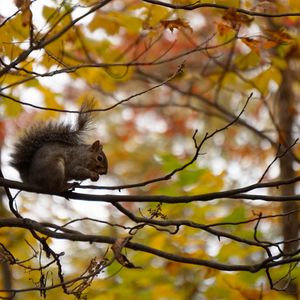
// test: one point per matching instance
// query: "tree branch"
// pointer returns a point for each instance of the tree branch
(198, 4)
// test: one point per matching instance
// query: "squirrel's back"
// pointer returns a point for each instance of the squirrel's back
(41, 134)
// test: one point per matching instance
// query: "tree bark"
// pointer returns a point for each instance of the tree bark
(5, 268)
(286, 114)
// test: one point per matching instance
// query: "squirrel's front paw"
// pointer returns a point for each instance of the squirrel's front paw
(94, 177)
(71, 186)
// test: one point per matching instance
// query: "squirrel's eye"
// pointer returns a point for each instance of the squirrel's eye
(99, 157)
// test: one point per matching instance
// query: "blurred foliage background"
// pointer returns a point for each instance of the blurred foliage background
(157, 74)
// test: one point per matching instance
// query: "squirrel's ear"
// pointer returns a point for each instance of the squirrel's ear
(96, 146)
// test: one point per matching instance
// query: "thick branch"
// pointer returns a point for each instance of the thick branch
(233, 193)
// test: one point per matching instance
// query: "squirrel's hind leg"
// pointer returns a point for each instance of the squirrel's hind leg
(48, 173)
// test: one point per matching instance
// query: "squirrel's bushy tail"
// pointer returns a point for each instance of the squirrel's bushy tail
(84, 118)
(42, 133)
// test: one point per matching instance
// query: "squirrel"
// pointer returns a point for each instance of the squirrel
(51, 154)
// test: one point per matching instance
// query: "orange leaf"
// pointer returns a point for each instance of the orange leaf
(279, 36)
(269, 44)
(223, 28)
(252, 44)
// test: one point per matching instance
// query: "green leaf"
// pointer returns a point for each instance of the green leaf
(262, 81)
(250, 60)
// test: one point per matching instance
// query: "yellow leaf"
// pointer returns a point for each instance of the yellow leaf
(49, 12)
(183, 2)
(111, 22)
(279, 62)
(155, 14)
(98, 77)
(262, 81)
(106, 22)
(131, 23)
(16, 29)
(232, 3)
(247, 61)
(12, 108)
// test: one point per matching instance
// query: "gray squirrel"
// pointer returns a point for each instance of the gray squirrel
(51, 154)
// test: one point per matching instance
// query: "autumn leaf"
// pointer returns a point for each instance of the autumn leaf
(279, 36)
(252, 43)
(178, 24)
(121, 258)
(257, 45)
(24, 6)
(236, 19)
(223, 28)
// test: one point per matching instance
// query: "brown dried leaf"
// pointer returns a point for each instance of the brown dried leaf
(223, 28)
(19, 3)
(26, 17)
(121, 258)
(24, 6)
(236, 19)
(178, 24)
